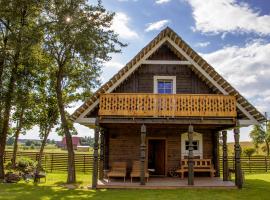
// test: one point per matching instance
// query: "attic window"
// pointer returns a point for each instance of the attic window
(164, 84)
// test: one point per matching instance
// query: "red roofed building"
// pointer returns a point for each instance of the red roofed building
(75, 142)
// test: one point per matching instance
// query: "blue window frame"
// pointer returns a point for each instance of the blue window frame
(165, 86)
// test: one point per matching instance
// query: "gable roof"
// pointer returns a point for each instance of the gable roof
(198, 65)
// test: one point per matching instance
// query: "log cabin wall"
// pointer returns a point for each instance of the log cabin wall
(124, 144)
(142, 81)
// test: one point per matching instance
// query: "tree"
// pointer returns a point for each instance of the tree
(260, 135)
(24, 106)
(249, 151)
(78, 39)
(89, 141)
(10, 141)
(19, 33)
(47, 115)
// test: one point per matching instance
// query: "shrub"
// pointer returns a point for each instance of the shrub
(12, 177)
(249, 151)
(24, 165)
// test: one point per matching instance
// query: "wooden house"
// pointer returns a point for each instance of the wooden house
(165, 106)
(75, 142)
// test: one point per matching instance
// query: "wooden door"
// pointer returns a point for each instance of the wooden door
(156, 156)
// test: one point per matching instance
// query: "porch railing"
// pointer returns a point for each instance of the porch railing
(167, 105)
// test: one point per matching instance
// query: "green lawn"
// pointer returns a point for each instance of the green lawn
(257, 187)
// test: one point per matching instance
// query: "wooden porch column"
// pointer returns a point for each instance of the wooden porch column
(95, 159)
(101, 154)
(215, 139)
(142, 148)
(237, 155)
(190, 156)
(106, 149)
(225, 156)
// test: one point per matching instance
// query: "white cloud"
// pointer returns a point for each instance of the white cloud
(228, 16)
(162, 1)
(156, 25)
(120, 26)
(202, 44)
(247, 69)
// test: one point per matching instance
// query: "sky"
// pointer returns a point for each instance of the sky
(232, 35)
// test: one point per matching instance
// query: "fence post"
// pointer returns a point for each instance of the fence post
(51, 162)
(249, 164)
(265, 160)
(37, 156)
(84, 163)
(45, 162)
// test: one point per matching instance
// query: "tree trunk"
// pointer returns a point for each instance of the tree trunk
(15, 148)
(71, 178)
(17, 133)
(2, 63)
(9, 96)
(267, 148)
(42, 147)
(5, 125)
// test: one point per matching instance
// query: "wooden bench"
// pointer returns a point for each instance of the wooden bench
(200, 165)
(119, 169)
(136, 171)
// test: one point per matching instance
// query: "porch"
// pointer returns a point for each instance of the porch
(128, 142)
(166, 183)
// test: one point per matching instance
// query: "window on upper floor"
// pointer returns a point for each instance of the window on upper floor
(164, 84)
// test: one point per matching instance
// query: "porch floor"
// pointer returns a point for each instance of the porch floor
(166, 183)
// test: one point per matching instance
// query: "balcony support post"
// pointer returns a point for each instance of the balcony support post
(142, 149)
(190, 156)
(225, 157)
(237, 157)
(95, 158)
(101, 153)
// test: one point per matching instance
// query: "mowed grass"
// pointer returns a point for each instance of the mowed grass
(257, 187)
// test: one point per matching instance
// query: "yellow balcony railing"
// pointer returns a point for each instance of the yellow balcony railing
(167, 105)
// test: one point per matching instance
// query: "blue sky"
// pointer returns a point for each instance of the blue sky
(232, 35)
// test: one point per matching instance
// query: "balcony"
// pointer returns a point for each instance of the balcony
(167, 105)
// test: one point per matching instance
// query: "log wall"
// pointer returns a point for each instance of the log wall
(124, 144)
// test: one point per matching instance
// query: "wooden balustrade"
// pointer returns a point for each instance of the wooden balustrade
(167, 105)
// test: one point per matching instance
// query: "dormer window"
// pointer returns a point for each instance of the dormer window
(164, 84)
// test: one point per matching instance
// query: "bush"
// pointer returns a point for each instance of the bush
(249, 151)
(25, 148)
(12, 177)
(24, 165)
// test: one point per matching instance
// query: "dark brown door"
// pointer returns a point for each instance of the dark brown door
(156, 156)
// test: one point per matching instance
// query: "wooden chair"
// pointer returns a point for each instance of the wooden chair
(136, 171)
(119, 169)
(40, 175)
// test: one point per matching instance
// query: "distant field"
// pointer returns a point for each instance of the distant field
(243, 146)
(48, 149)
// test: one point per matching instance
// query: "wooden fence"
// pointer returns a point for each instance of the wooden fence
(251, 164)
(57, 161)
(84, 162)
